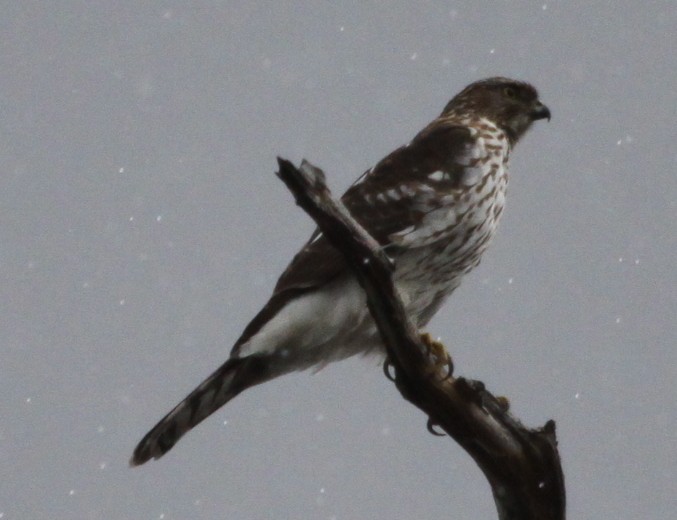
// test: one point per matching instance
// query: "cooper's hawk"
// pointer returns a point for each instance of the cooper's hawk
(433, 204)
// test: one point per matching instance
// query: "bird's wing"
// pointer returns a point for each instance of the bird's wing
(390, 200)
(404, 190)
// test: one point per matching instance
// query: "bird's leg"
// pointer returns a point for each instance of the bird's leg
(441, 360)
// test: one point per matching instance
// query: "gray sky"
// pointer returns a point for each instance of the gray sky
(142, 227)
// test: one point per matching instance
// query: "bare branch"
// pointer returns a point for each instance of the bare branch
(522, 465)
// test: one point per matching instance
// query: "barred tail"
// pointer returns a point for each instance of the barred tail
(234, 376)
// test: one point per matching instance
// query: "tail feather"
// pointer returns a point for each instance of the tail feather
(234, 376)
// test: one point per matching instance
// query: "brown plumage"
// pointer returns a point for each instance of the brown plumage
(433, 204)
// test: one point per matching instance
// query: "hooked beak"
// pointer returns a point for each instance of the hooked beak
(540, 111)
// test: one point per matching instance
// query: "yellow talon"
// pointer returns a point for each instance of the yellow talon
(503, 402)
(440, 356)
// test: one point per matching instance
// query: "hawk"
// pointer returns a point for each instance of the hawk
(432, 204)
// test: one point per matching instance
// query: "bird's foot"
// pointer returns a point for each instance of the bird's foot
(441, 360)
(503, 402)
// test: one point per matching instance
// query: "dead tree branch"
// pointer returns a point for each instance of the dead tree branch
(522, 465)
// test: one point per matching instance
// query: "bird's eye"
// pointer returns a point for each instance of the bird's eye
(510, 92)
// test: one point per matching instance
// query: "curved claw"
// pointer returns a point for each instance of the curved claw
(431, 428)
(387, 365)
(449, 363)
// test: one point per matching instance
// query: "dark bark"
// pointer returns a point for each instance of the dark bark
(522, 465)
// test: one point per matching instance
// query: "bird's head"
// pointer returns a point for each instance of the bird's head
(510, 104)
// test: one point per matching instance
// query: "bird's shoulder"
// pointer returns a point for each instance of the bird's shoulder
(444, 154)
(385, 200)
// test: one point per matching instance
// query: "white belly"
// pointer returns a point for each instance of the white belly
(318, 327)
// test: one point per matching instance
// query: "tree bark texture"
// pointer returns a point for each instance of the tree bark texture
(522, 465)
